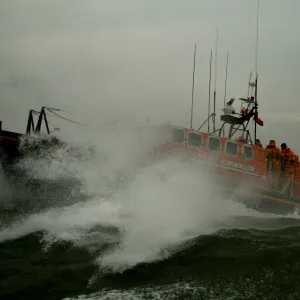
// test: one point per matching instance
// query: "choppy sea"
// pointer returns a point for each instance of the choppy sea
(99, 226)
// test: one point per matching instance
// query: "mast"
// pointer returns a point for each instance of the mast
(40, 120)
(249, 84)
(225, 92)
(215, 87)
(255, 107)
(30, 122)
(192, 106)
(256, 50)
(209, 92)
(256, 56)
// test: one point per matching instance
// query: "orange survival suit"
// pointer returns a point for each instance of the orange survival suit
(272, 154)
(288, 159)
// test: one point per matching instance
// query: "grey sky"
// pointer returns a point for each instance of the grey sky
(126, 59)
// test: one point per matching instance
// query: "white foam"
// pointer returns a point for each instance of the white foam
(66, 223)
(170, 291)
(160, 205)
(152, 212)
(163, 211)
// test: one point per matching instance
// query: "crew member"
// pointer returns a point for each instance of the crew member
(229, 110)
(272, 154)
(258, 144)
(288, 160)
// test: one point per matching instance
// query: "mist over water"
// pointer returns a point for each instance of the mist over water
(135, 211)
(154, 204)
(96, 218)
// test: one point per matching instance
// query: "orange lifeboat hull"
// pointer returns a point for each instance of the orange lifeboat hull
(234, 164)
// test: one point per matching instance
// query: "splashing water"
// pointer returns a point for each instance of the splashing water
(172, 291)
(151, 213)
(162, 205)
(161, 213)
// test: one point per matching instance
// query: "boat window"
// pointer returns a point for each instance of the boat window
(177, 135)
(214, 144)
(195, 139)
(248, 152)
(231, 148)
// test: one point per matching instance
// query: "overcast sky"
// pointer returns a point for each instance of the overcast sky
(127, 59)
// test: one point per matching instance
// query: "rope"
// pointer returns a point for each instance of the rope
(37, 114)
(68, 111)
(49, 109)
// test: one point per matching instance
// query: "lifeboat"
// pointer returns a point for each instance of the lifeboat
(238, 164)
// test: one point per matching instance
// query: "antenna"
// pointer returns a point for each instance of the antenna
(209, 90)
(226, 80)
(215, 88)
(192, 107)
(256, 50)
(256, 55)
(249, 83)
(255, 108)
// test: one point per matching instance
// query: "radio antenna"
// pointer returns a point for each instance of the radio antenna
(209, 92)
(256, 79)
(225, 92)
(192, 106)
(256, 50)
(215, 87)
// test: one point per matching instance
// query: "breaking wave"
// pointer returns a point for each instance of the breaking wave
(144, 230)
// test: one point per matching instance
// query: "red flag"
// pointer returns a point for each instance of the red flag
(258, 120)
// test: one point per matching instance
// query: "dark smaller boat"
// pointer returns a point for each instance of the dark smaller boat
(30, 192)
(10, 142)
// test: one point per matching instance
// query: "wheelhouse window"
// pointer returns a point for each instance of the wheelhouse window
(195, 139)
(177, 135)
(214, 144)
(231, 148)
(248, 152)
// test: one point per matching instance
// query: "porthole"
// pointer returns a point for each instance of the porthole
(231, 148)
(195, 139)
(248, 152)
(177, 135)
(214, 144)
